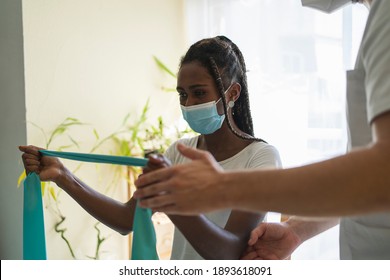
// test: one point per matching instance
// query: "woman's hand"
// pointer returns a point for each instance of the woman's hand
(156, 161)
(48, 168)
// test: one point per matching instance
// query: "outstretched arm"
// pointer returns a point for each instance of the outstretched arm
(115, 214)
(355, 183)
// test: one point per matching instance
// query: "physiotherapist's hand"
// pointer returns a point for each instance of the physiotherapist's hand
(186, 189)
(271, 241)
(48, 168)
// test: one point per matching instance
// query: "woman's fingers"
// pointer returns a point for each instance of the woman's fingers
(33, 150)
(31, 158)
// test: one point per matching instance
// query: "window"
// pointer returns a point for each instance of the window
(296, 59)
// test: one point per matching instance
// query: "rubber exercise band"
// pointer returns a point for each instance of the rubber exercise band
(34, 245)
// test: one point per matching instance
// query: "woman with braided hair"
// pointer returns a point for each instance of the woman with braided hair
(214, 99)
(354, 186)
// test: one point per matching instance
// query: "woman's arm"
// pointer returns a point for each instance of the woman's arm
(214, 242)
(115, 214)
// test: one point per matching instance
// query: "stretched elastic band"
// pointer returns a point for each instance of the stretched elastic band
(34, 246)
(121, 160)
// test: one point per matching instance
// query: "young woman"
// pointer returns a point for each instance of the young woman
(214, 99)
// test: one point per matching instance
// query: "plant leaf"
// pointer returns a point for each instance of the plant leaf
(43, 188)
(168, 89)
(126, 119)
(74, 142)
(22, 176)
(52, 192)
(96, 134)
(163, 67)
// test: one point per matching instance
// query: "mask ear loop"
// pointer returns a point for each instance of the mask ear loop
(230, 104)
(223, 99)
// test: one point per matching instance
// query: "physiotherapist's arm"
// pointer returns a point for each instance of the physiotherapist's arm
(356, 183)
(351, 184)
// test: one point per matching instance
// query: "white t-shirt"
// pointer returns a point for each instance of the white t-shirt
(255, 155)
(368, 96)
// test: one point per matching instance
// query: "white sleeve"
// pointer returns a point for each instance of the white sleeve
(169, 153)
(376, 59)
(267, 157)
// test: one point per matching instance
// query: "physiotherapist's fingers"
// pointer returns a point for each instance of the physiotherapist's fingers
(156, 201)
(153, 189)
(256, 234)
(167, 203)
(248, 250)
(152, 177)
(145, 170)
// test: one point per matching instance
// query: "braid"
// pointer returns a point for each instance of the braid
(243, 108)
(217, 77)
(225, 62)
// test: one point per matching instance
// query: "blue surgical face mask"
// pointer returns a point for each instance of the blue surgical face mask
(203, 118)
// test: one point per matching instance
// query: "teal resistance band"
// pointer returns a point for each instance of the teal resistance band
(34, 245)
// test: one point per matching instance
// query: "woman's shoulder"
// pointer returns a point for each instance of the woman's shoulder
(172, 153)
(263, 147)
(188, 141)
(264, 154)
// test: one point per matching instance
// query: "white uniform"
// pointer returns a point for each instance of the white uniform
(255, 155)
(368, 96)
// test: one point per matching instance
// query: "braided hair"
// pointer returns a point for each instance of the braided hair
(225, 62)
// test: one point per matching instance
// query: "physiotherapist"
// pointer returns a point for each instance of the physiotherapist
(355, 186)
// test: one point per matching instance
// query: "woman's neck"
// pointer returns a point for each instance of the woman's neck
(223, 143)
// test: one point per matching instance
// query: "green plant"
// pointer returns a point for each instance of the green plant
(136, 136)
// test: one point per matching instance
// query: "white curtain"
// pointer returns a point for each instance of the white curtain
(296, 59)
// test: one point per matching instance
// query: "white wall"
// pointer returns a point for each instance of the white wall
(92, 60)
